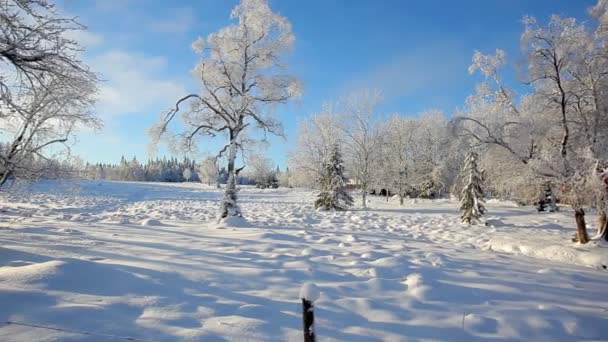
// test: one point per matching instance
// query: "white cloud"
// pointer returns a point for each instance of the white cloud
(133, 83)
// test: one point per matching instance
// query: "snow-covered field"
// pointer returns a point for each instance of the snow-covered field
(98, 261)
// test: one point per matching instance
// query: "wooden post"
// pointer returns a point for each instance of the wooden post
(581, 228)
(308, 318)
(308, 294)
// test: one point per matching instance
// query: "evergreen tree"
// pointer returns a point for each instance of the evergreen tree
(333, 194)
(547, 202)
(273, 181)
(427, 188)
(471, 199)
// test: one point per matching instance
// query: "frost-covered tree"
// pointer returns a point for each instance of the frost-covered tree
(396, 159)
(601, 180)
(187, 174)
(471, 199)
(285, 178)
(431, 154)
(362, 137)
(209, 172)
(242, 78)
(40, 123)
(261, 169)
(317, 136)
(333, 195)
(548, 131)
(36, 51)
(415, 154)
(46, 92)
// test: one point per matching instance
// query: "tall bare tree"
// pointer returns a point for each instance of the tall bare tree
(242, 79)
(317, 136)
(363, 137)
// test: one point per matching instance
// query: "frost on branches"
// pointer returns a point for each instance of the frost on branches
(242, 80)
(46, 92)
(334, 195)
(471, 202)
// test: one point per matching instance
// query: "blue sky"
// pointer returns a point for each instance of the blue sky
(416, 52)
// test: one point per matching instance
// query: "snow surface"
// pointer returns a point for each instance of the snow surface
(97, 261)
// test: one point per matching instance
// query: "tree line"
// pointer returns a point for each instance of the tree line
(552, 134)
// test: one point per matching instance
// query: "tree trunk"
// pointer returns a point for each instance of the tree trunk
(581, 228)
(401, 200)
(5, 177)
(229, 206)
(364, 197)
(602, 227)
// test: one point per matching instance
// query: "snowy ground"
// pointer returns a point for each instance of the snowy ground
(97, 261)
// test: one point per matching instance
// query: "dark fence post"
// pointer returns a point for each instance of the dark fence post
(308, 318)
(308, 294)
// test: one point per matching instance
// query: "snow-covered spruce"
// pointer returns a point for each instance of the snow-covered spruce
(334, 195)
(229, 206)
(471, 201)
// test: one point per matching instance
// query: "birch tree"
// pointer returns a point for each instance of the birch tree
(317, 136)
(363, 137)
(242, 79)
(396, 158)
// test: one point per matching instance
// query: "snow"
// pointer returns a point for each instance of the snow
(150, 222)
(77, 263)
(233, 221)
(310, 292)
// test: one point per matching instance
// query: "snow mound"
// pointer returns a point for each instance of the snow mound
(308, 252)
(588, 255)
(415, 286)
(495, 222)
(150, 222)
(373, 255)
(233, 222)
(502, 202)
(30, 273)
(70, 231)
(480, 324)
(310, 292)
(75, 275)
